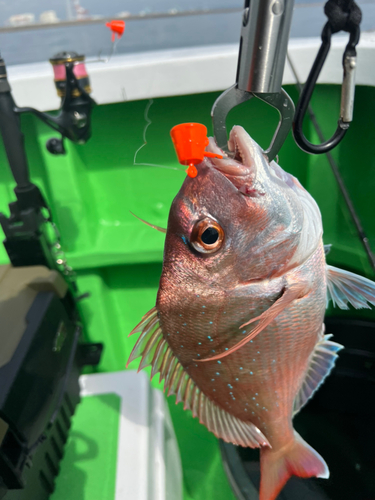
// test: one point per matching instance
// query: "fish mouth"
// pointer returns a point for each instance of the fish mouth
(240, 163)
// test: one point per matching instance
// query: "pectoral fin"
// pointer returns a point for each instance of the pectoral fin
(327, 249)
(291, 292)
(344, 287)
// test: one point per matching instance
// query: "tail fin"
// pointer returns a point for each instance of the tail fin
(299, 459)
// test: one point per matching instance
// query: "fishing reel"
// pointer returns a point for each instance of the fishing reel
(25, 239)
(73, 120)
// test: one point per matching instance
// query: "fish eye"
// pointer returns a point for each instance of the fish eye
(207, 236)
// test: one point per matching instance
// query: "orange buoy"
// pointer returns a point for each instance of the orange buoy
(117, 27)
(190, 141)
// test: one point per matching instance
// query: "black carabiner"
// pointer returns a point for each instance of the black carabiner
(308, 89)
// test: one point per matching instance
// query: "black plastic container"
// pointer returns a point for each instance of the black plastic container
(40, 362)
(339, 422)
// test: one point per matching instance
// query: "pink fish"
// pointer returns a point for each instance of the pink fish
(237, 332)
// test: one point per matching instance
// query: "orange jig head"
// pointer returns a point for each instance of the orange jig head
(190, 141)
(116, 26)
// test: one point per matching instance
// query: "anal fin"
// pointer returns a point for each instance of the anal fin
(322, 361)
(154, 349)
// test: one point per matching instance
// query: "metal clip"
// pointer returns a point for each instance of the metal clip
(347, 93)
(263, 44)
(233, 97)
(348, 89)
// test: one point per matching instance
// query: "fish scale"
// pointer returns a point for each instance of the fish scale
(194, 330)
(237, 333)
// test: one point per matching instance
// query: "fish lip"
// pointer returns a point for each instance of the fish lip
(239, 143)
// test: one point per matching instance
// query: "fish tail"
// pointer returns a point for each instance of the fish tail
(298, 459)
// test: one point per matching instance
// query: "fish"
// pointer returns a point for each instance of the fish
(237, 332)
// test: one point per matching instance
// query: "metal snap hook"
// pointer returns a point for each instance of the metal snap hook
(347, 91)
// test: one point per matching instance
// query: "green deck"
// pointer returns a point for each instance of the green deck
(118, 259)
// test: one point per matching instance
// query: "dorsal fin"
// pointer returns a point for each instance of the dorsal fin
(344, 287)
(322, 361)
(155, 351)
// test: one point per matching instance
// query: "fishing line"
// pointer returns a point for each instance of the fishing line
(148, 123)
(335, 170)
(108, 58)
(113, 50)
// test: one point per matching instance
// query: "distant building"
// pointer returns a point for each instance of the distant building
(48, 17)
(81, 12)
(123, 13)
(21, 19)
